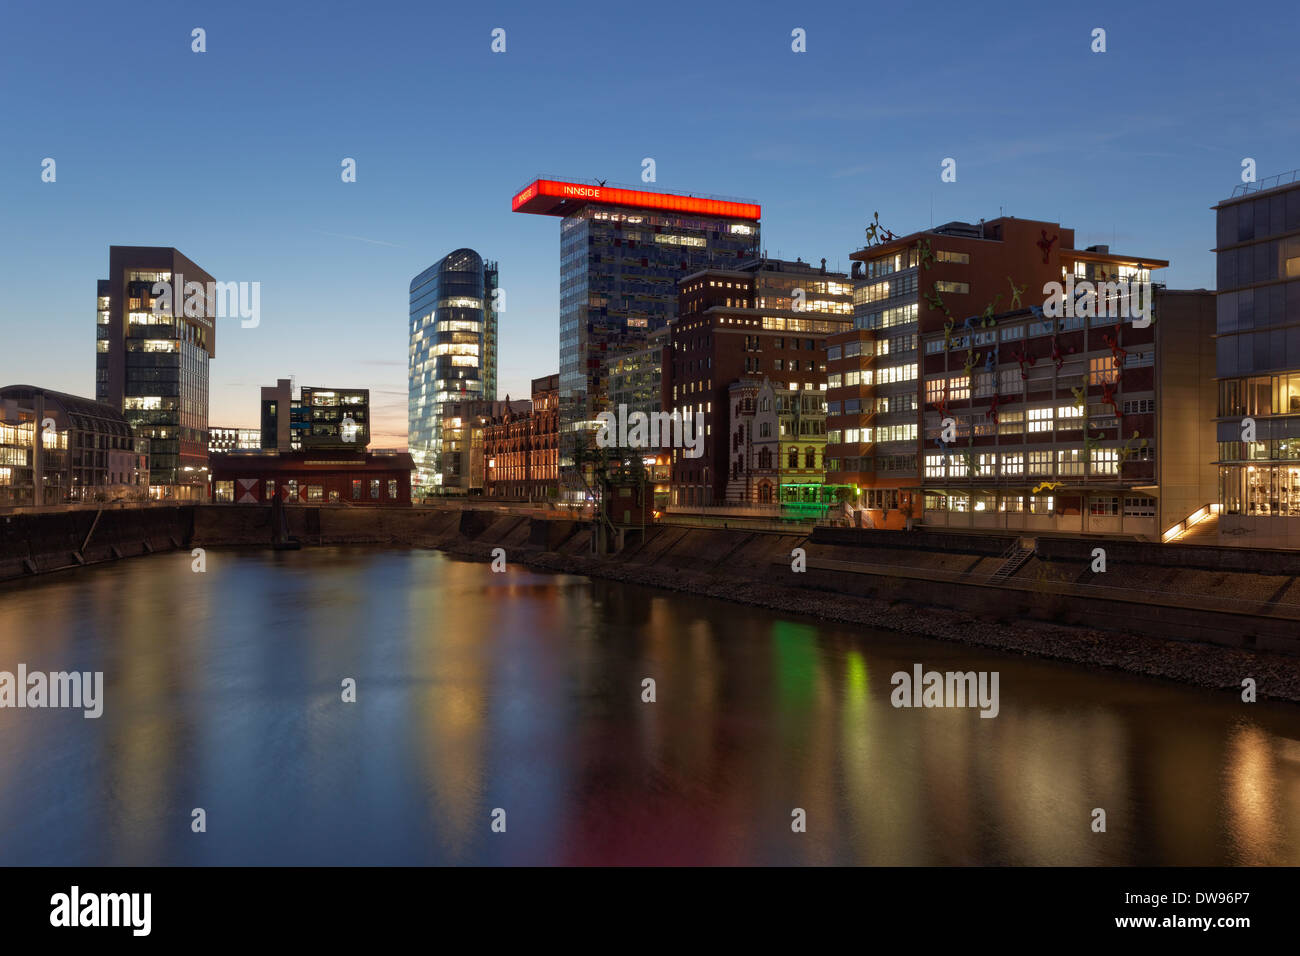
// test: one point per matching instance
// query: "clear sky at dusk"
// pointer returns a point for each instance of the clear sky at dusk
(233, 155)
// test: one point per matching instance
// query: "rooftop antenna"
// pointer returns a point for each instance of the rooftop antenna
(931, 210)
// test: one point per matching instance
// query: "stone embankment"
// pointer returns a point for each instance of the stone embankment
(41, 542)
(924, 594)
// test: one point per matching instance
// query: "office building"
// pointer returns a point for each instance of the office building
(1071, 424)
(225, 438)
(319, 418)
(952, 277)
(464, 428)
(87, 452)
(153, 365)
(1258, 363)
(762, 319)
(453, 350)
(622, 252)
(636, 378)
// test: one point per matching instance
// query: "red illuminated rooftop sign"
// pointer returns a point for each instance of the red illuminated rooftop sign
(549, 197)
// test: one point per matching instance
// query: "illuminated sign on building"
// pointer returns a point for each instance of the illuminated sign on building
(549, 197)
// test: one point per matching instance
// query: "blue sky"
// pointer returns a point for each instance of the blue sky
(233, 155)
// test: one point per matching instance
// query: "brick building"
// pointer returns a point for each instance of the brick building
(766, 319)
(521, 447)
(913, 287)
(317, 477)
(1072, 424)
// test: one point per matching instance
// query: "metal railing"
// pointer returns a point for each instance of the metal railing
(1272, 182)
(1200, 514)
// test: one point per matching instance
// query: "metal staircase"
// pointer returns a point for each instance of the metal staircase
(1013, 559)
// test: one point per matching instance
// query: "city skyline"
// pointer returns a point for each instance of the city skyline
(265, 200)
(826, 435)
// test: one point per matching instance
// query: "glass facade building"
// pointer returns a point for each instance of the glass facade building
(636, 378)
(1258, 362)
(86, 452)
(622, 253)
(154, 366)
(453, 350)
(226, 438)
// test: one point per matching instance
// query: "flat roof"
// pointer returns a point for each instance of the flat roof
(1246, 191)
(554, 197)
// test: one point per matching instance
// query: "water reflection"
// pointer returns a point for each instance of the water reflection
(524, 692)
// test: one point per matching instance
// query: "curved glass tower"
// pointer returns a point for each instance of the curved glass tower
(453, 351)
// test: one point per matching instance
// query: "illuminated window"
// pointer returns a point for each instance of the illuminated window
(1101, 370)
(1069, 461)
(1104, 461)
